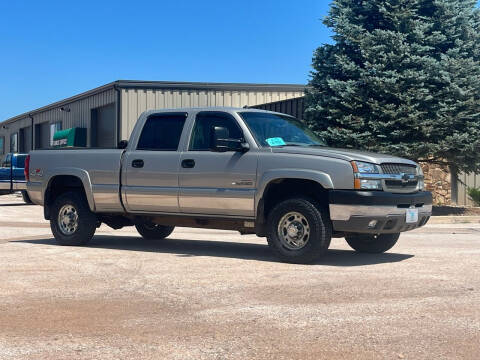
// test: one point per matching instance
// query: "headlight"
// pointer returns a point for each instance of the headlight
(362, 182)
(421, 181)
(365, 168)
(421, 184)
(369, 184)
(419, 170)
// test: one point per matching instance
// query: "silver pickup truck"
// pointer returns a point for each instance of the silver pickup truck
(254, 171)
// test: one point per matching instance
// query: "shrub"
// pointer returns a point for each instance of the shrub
(474, 193)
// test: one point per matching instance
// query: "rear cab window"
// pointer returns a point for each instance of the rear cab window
(20, 161)
(162, 132)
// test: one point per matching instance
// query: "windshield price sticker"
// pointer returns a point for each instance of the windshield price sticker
(276, 141)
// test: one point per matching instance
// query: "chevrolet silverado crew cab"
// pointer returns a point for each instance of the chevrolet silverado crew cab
(254, 171)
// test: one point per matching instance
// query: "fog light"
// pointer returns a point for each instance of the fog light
(372, 224)
(370, 184)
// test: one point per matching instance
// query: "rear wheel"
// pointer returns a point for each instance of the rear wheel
(371, 243)
(26, 198)
(299, 230)
(152, 231)
(71, 220)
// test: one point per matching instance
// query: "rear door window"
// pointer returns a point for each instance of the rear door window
(162, 132)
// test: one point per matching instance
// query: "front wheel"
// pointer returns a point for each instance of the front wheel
(153, 231)
(71, 220)
(371, 243)
(299, 230)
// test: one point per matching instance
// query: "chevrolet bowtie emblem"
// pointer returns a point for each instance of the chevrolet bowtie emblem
(405, 178)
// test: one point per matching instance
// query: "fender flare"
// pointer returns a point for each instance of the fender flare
(84, 177)
(318, 176)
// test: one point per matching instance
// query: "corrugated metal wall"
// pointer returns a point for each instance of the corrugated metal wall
(294, 107)
(13, 128)
(466, 181)
(78, 116)
(80, 112)
(136, 101)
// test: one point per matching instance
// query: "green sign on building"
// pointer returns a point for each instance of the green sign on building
(74, 137)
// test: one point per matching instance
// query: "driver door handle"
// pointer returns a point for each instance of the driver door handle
(138, 163)
(188, 163)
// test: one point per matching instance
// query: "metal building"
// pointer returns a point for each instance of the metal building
(294, 107)
(109, 112)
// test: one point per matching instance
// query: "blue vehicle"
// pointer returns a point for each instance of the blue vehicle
(12, 176)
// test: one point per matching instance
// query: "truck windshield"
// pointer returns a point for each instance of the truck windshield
(279, 130)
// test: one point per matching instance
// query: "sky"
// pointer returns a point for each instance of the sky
(50, 50)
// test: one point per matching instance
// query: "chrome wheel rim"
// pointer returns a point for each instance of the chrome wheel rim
(294, 231)
(68, 219)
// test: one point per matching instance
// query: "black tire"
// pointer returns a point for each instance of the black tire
(318, 222)
(151, 231)
(86, 220)
(26, 198)
(372, 244)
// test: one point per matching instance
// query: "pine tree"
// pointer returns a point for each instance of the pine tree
(402, 77)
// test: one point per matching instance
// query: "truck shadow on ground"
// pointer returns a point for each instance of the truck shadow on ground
(16, 204)
(236, 250)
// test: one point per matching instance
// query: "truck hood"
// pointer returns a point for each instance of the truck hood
(344, 154)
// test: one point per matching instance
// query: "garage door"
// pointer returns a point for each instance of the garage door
(26, 139)
(103, 127)
(42, 136)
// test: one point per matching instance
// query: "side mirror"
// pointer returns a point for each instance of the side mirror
(122, 144)
(222, 143)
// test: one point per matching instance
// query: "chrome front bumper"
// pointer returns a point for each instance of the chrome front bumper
(377, 212)
(345, 212)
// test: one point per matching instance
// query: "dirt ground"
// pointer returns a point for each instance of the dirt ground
(205, 294)
(455, 211)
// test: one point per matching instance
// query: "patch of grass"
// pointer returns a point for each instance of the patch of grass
(474, 194)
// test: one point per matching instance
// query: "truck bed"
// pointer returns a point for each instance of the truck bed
(99, 170)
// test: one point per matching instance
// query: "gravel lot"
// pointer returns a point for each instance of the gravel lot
(206, 294)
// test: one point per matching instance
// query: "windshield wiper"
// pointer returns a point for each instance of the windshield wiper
(295, 144)
(292, 144)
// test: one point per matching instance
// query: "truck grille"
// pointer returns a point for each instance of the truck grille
(399, 169)
(400, 186)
